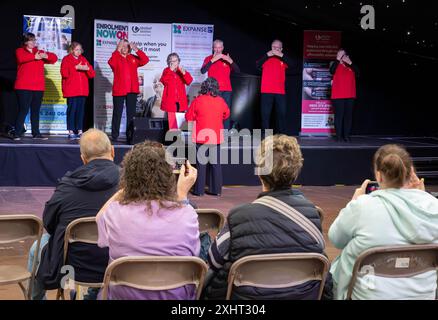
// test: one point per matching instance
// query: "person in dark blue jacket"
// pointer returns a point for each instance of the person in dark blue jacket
(254, 228)
(80, 193)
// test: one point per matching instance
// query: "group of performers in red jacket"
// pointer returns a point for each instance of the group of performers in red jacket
(209, 111)
(76, 71)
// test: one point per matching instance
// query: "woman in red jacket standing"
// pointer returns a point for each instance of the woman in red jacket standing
(174, 78)
(30, 84)
(75, 72)
(208, 111)
(126, 85)
(343, 94)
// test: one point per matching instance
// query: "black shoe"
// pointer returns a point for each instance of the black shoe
(15, 137)
(212, 194)
(40, 137)
(347, 139)
(196, 194)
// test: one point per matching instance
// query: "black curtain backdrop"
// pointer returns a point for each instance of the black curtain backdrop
(395, 95)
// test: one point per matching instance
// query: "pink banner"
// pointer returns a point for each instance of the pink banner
(320, 48)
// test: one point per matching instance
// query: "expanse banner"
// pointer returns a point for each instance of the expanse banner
(53, 34)
(320, 48)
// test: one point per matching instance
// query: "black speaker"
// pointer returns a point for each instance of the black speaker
(141, 129)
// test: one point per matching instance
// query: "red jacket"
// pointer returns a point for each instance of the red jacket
(174, 90)
(220, 70)
(344, 83)
(75, 82)
(125, 72)
(30, 72)
(208, 114)
(274, 76)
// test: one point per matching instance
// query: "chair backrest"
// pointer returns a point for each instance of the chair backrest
(278, 271)
(155, 273)
(15, 228)
(210, 219)
(401, 261)
(80, 230)
(20, 228)
(321, 214)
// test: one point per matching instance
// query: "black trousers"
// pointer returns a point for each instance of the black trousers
(227, 96)
(212, 168)
(343, 117)
(28, 99)
(118, 103)
(268, 101)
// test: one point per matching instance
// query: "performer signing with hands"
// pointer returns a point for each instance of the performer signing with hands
(126, 85)
(273, 66)
(175, 79)
(75, 72)
(30, 84)
(219, 66)
(343, 93)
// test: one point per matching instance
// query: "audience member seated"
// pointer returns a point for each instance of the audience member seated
(79, 194)
(150, 216)
(400, 213)
(253, 229)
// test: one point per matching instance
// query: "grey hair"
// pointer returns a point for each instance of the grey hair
(218, 41)
(173, 54)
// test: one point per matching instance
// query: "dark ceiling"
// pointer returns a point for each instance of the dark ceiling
(410, 27)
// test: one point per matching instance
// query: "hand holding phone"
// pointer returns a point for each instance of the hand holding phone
(178, 164)
(372, 186)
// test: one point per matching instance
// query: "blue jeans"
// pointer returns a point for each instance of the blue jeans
(38, 291)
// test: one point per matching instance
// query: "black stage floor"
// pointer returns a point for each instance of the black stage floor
(326, 162)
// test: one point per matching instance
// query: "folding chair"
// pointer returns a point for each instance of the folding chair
(278, 271)
(210, 219)
(321, 213)
(401, 261)
(19, 229)
(155, 273)
(83, 230)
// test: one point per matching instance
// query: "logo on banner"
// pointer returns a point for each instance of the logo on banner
(135, 29)
(98, 42)
(322, 37)
(176, 28)
(210, 30)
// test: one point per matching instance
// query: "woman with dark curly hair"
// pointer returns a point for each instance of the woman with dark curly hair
(207, 112)
(150, 216)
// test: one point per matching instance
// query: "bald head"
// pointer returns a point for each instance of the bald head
(277, 45)
(95, 144)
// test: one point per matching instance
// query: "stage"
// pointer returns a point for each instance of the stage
(326, 162)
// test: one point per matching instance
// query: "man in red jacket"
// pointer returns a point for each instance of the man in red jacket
(30, 84)
(273, 66)
(125, 86)
(219, 66)
(75, 72)
(175, 79)
(343, 94)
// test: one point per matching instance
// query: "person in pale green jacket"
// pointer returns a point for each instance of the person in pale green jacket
(399, 213)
